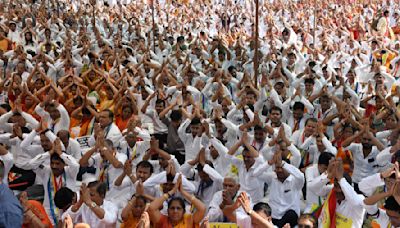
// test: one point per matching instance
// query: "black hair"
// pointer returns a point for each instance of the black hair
(140, 197)
(264, 207)
(63, 198)
(145, 164)
(348, 178)
(291, 54)
(176, 115)
(170, 178)
(258, 128)
(312, 119)
(5, 106)
(178, 199)
(309, 80)
(56, 157)
(200, 167)
(276, 108)
(195, 121)
(160, 101)
(101, 187)
(391, 204)
(110, 113)
(180, 38)
(298, 105)
(324, 158)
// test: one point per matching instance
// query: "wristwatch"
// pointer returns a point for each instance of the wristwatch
(93, 205)
(250, 212)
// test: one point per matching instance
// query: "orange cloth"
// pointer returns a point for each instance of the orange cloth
(122, 124)
(5, 45)
(131, 222)
(38, 209)
(185, 223)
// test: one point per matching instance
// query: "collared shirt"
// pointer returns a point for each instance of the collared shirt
(29, 149)
(363, 166)
(351, 210)
(249, 182)
(286, 194)
(109, 220)
(43, 173)
(192, 144)
(203, 192)
(8, 163)
(317, 190)
(215, 214)
(55, 125)
(112, 133)
(135, 153)
(310, 145)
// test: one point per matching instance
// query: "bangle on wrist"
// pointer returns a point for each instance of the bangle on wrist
(166, 196)
(250, 212)
(192, 198)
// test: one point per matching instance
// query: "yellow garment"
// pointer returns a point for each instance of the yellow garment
(343, 222)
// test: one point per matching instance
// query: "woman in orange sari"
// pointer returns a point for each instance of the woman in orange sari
(132, 212)
(177, 218)
(34, 213)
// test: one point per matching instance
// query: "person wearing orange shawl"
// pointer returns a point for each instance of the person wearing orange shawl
(5, 43)
(82, 120)
(343, 207)
(34, 213)
(177, 216)
(124, 109)
(132, 212)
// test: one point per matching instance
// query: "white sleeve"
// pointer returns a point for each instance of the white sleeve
(368, 185)
(350, 194)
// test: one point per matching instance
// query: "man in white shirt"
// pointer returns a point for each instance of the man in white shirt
(249, 182)
(225, 197)
(285, 183)
(192, 140)
(61, 172)
(364, 154)
(134, 149)
(349, 206)
(93, 208)
(206, 179)
(111, 131)
(258, 216)
(54, 114)
(312, 174)
(7, 159)
(108, 163)
(72, 146)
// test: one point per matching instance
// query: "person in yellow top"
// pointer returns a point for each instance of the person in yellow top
(385, 57)
(132, 212)
(177, 217)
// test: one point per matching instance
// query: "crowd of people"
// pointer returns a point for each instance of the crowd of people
(155, 114)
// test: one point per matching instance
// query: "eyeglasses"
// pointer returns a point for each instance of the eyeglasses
(303, 226)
